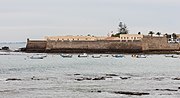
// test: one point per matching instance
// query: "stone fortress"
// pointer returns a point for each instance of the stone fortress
(121, 42)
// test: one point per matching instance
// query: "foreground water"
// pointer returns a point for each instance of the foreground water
(105, 77)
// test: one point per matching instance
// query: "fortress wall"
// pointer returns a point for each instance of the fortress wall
(158, 43)
(94, 46)
(147, 44)
(36, 46)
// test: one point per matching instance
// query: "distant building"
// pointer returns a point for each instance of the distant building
(75, 38)
(122, 38)
(130, 37)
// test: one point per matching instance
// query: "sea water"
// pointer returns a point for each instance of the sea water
(57, 77)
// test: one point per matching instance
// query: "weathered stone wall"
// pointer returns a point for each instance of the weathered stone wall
(94, 46)
(158, 43)
(148, 43)
(36, 46)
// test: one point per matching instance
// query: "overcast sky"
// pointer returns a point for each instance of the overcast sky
(34, 19)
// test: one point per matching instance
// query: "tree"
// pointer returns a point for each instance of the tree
(139, 33)
(158, 33)
(115, 35)
(167, 35)
(174, 36)
(151, 33)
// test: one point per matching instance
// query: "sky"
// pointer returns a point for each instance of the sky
(35, 19)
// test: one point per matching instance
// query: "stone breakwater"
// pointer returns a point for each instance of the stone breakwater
(147, 45)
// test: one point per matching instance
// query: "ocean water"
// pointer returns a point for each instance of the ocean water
(57, 77)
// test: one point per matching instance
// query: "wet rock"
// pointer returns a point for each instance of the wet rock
(176, 78)
(98, 91)
(158, 79)
(166, 90)
(111, 75)
(166, 94)
(13, 79)
(125, 78)
(79, 79)
(99, 78)
(35, 78)
(84, 78)
(77, 74)
(87, 78)
(131, 93)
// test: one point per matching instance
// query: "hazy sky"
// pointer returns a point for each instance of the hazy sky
(34, 19)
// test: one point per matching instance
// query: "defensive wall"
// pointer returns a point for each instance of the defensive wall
(93, 46)
(158, 44)
(148, 43)
(36, 45)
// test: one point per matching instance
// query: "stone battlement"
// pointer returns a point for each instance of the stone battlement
(147, 43)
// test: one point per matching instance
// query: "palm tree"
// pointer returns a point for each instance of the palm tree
(158, 33)
(151, 33)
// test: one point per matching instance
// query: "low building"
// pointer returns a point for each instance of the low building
(130, 37)
(71, 38)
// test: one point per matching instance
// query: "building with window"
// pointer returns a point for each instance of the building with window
(130, 37)
(75, 38)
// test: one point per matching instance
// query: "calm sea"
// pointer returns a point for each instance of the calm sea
(57, 77)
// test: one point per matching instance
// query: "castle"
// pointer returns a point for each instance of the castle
(121, 42)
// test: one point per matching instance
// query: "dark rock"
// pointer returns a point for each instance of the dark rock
(166, 90)
(84, 78)
(97, 91)
(13, 79)
(176, 78)
(35, 78)
(130, 93)
(87, 78)
(124, 78)
(158, 79)
(79, 79)
(5, 48)
(99, 78)
(77, 74)
(111, 75)
(166, 94)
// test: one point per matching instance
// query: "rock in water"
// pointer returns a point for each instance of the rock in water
(130, 93)
(13, 79)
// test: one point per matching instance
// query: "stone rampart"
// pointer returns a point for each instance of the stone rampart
(158, 44)
(148, 43)
(93, 46)
(36, 46)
